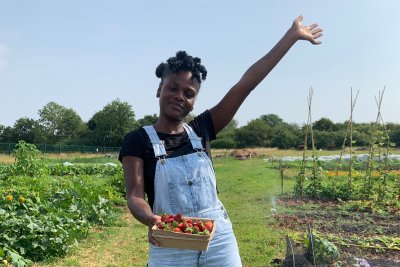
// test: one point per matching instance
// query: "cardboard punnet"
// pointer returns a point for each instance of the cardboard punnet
(170, 239)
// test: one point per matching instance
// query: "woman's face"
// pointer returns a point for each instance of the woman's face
(177, 93)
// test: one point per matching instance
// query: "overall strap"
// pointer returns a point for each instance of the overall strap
(158, 145)
(194, 139)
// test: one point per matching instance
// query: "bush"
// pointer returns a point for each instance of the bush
(223, 143)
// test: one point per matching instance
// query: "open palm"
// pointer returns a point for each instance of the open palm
(310, 33)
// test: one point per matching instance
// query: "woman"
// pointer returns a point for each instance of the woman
(167, 161)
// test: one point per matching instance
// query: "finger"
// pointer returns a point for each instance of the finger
(315, 36)
(312, 26)
(316, 42)
(315, 31)
(152, 240)
(300, 18)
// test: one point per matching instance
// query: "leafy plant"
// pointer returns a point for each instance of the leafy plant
(29, 161)
(320, 250)
(44, 218)
(9, 256)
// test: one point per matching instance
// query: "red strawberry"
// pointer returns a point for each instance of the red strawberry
(201, 226)
(195, 229)
(177, 230)
(182, 225)
(164, 217)
(178, 217)
(161, 225)
(208, 225)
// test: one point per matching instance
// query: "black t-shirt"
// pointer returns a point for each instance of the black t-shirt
(137, 144)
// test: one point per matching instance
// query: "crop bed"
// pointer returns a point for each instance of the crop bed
(372, 236)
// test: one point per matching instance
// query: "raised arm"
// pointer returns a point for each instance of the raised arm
(134, 181)
(224, 111)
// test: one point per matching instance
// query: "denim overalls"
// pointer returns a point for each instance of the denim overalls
(186, 184)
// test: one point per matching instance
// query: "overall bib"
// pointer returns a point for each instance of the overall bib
(187, 185)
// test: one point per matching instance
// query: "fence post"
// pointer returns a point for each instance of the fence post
(281, 172)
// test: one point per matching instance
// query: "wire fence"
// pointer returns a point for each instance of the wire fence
(8, 148)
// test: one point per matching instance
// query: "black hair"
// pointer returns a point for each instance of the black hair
(182, 62)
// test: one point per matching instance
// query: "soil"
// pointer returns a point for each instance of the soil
(243, 154)
(329, 218)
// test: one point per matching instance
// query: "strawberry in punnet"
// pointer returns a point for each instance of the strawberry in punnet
(179, 224)
(183, 225)
(201, 226)
(209, 225)
(164, 217)
(161, 225)
(177, 230)
(195, 230)
(178, 217)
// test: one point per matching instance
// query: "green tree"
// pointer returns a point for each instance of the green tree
(2, 127)
(286, 136)
(228, 132)
(28, 130)
(255, 134)
(272, 119)
(147, 120)
(109, 126)
(231, 126)
(7, 135)
(324, 124)
(60, 123)
(394, 136)
(328, 139)
(360, 139)
(226, 137)
(365, 128)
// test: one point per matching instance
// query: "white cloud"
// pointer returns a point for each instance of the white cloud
(3, 56)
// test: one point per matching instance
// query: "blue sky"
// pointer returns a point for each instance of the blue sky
(84, 54)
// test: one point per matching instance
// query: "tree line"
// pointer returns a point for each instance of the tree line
(107, 127)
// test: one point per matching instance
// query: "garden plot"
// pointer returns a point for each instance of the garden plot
(373, 237)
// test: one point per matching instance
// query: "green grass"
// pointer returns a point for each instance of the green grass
(245, 187)
(123, 244)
